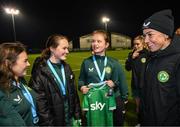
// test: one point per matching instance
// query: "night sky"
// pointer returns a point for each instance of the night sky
(40, 18)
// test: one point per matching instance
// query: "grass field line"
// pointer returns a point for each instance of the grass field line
(121, 60)
(76, 70)
(82, 57)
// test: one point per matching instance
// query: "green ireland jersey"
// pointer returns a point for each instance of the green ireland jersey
(99, 106)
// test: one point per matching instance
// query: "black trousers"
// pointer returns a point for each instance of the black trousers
(118, 115)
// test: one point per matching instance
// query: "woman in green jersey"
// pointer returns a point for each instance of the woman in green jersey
(100, 69)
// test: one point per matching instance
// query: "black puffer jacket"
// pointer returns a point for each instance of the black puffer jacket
(160, 102)
(49, 98)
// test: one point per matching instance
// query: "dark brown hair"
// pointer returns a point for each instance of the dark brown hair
(9, 52)
(52, 41)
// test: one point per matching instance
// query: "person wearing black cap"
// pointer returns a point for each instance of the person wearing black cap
(54, 82)
(160, 93)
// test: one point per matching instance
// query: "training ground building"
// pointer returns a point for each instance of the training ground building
(118, 41)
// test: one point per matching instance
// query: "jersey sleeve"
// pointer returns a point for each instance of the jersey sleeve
(82, 77)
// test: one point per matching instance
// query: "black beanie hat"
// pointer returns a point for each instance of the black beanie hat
(162, 21)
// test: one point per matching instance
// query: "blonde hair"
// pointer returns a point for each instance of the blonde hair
(177, 31)
(141, 39)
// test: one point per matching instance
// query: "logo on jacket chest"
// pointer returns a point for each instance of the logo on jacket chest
(91, 69)
(143, 60)
(163, 76)
(107, 69)
(18, 99)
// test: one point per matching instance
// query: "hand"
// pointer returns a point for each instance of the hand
(125, 106)
(110, 83)
(135, 54)
(84, 89)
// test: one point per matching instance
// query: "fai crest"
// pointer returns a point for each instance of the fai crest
(163, 76)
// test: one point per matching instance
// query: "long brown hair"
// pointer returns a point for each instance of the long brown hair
(9, 52)
(52, 41)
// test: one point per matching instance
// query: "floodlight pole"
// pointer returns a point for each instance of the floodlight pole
(13, 12)
(14, 29)
(105, 20)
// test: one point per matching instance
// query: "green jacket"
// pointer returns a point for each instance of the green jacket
(15, 110)
(113, 71)
(8, 115)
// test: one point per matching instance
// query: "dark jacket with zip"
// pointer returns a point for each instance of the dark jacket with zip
(136, 65)
(160, 100)
(50, 100)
